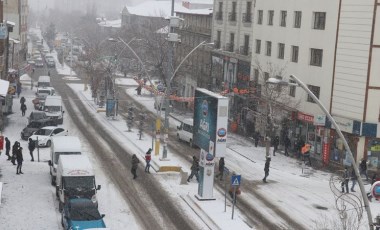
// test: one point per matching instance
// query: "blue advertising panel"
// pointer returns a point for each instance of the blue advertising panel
(110, 107)
(205, 118)
(3, 31)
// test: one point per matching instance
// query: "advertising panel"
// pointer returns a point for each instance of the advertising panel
(210, 121)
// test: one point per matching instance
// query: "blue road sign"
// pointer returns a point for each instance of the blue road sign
(235, 180)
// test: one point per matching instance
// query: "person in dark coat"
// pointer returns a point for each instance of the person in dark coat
(22, 100)
(287, 145)
(221, 168)
(23, 109)
(257, 138)
(266, 169)
(345, 180)
(135, 162)
(194, 169)
(363, 168)
(31, 147)
(19, 159)
(7, 148)
(354, 179)
(14, 151)
(276, 142)
(300, 145)
(148, 158)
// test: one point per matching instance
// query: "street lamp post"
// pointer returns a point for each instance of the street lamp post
(311, 94)
(167, 92)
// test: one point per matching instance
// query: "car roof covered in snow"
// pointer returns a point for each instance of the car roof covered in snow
(66, 144)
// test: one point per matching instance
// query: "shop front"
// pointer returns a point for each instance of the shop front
(372, 141)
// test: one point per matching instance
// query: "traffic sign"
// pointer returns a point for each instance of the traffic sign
(235, 180)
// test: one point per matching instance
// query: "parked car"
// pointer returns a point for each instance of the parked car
(39, 62)
(44, 135)
(81, 213)
(41, 116)
(33, 127)
(185, 131)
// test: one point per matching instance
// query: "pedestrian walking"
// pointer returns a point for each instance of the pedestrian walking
(22, 100)
(363, 168)
(7, 148)
(18, 89)
(221, 168)
(266, 169)
(345, 180)
(31, 147)
(306, 153)
(148, 158)
(354, 179)
(287, 145)
(276, 142)
(267, 146)
(19, 159)
(257, 138)
(14, 152)
(194, 169)
(23, 109)
(135, 162)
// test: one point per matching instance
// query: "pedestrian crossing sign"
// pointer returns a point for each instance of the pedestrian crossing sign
(235, 180)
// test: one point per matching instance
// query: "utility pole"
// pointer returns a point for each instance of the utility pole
(172, 39)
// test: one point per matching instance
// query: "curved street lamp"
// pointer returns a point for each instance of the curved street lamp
(354, 165)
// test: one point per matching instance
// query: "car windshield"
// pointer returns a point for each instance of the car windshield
(79, 183)
(80, 211)
(38, 116)
(45, 91)
(57, 154)
(35, 125)
(43, 132)
(52, 109)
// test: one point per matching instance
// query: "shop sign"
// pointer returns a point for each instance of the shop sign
(305, 117)
(320, 120)
(375, 148)
(345, 125)
(326, 153)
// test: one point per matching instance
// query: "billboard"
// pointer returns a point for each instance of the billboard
(210, 121)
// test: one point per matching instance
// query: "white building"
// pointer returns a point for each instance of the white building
(332, 46)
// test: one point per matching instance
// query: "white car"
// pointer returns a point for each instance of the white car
(185, 131)
(44, 135)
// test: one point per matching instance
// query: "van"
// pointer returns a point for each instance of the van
(75, 178)
(185, 131)
(47, 91)
(59, 146)
(43, 81)
(53, 108)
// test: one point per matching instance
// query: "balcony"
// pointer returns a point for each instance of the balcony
(245, 50)
(229, 47)
(217, 44)
(232, 16)
(247, 18)
(219, 16)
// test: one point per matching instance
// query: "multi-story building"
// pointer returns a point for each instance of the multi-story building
(195, 29)
(231, 60)
(17, 12)
(331, 46)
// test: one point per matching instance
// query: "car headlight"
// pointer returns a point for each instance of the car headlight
(93, 199)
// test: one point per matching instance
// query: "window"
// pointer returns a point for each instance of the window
(319, 20)
(316, 57)
(218, 37)
(315, 90)
(232, 42)
(269, 48)
(281, 50)
(283, 18)
(270, 17)
(247, 17)
(260, 17)
(258, 46)
(256, 76)
(219, 14)
(297, 19)
(266, 76)
(292, 89)
(295, 54)
(232, 14)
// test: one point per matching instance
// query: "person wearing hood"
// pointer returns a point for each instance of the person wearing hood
(31, 147)
(148, 158)
(266, 169)
(7, 148)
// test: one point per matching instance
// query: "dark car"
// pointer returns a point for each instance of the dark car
(32, 127)
(81, 213)
(41, 116)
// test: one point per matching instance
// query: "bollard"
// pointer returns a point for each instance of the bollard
(184, 175)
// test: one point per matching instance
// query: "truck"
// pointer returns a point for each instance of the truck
(59, 146)
(53, 108)
(75, 179)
